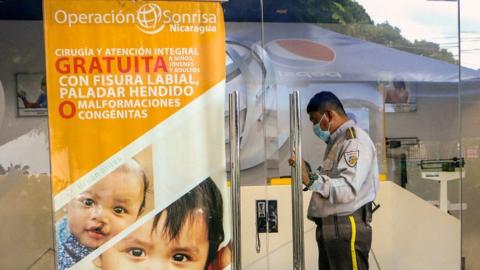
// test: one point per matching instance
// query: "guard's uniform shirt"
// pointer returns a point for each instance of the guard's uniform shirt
(346, 181)
(348, 176)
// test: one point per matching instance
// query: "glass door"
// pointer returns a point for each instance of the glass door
(398, 79)
(469, 91)
(246, 74)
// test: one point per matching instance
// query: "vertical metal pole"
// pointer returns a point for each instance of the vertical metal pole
(460, 125)
(403, 170)
(297, 198)
(234, 128)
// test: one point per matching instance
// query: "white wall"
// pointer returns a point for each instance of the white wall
(276, 248)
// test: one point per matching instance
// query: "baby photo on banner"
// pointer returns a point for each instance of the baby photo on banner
(136, 93)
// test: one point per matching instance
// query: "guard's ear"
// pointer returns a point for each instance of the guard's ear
(98, 262)
(329, 115)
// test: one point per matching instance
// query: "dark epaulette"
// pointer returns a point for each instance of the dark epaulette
(351, 133)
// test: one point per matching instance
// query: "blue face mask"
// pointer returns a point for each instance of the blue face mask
(323, 135)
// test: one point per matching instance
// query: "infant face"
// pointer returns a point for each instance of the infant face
(106, 208)
(153, 249)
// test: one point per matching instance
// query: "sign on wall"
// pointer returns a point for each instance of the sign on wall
(136, 114)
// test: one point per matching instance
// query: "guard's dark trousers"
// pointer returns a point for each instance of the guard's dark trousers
(343, 242)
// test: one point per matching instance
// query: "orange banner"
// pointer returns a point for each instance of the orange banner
(136, 117)
(116, 69)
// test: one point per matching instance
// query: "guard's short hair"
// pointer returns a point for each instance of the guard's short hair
(206, 196)
(325, 100)
(399, 84)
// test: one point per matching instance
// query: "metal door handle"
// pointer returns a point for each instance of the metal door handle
(297, 197)
(234, 136)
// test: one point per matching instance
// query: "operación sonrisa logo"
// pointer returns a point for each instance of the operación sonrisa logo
(149, 18)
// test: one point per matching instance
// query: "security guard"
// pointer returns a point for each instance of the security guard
(344, 186)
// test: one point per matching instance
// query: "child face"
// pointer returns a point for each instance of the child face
(145, 249)
(106, 208)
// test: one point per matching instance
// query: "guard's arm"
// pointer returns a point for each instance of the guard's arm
(353, 166)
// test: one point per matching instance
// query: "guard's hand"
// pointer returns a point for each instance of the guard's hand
(305, 178)
(291, 161)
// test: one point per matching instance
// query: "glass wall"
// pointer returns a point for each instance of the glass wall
(26, 232)
(246, 75)
(397, 70)
(470, 144)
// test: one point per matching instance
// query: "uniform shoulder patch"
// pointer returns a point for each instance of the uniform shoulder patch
(351, 158)
(351, 133)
